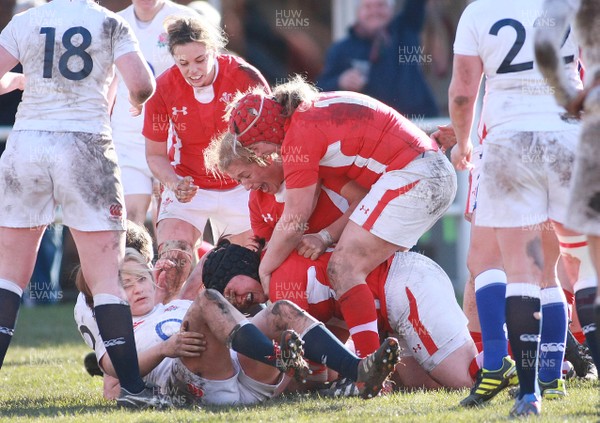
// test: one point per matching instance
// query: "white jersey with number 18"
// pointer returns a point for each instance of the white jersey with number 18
(67, 49)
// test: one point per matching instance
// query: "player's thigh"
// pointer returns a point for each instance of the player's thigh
(410, 375)
(403, 204)
(356, 254)
(178, 230)
(18, 247)
(232, 216)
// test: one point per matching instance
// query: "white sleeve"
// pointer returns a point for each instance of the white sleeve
(125, 40)
(466, 41)
(8, 39)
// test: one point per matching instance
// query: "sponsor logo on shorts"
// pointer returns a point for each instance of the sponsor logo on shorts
(196, 391)
(417, 348)
(364, 209)
(116, 211)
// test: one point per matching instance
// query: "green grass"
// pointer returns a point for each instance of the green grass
(43, 380)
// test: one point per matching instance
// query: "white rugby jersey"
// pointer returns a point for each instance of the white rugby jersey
(501, 33)
(156, 327)
(67, 49)
(153, 41)
(149, 330)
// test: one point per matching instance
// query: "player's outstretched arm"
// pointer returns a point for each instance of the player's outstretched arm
(548, 40)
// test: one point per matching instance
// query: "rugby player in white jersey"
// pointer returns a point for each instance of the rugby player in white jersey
(584, 204)
(60, 152)
(208, 352)
(527, 158)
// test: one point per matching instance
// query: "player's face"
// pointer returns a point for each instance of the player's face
(242, 291)
(196, 63)
(374, 15)
(254, 177)
(139, 287)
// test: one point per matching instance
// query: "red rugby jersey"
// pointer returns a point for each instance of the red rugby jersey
(344, 134)
(194, 124)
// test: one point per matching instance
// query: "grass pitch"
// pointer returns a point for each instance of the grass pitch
(43, 379)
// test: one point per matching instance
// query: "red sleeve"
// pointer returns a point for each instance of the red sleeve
(259, 226)
(156, 117)
(301, 153)
(288, 282)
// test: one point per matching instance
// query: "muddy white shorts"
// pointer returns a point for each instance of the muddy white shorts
(403, 204)
(76, 170)
(584, 202)
(525, 178)
(422, 309)
(227, 210)
(240, 389)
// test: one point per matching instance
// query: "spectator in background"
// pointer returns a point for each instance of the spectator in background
(380, 49)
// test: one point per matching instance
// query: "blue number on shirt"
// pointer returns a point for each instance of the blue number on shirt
(71, 50)
(507, 66)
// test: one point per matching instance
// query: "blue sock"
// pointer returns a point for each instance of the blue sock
(522, 302)
(490, 294)
(248, 340)
(321, 346)
(554, 334)
(10, 301)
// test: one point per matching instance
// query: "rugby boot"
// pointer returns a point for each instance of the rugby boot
(490, 383)
(374, 369)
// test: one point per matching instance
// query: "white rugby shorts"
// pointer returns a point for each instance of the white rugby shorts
(76, 170)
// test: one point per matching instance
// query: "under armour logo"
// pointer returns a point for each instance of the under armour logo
(268, 217)
(364, 209)
(7, 331)
(114, 342)
(417, 348)
(226, 98)
(182, 110)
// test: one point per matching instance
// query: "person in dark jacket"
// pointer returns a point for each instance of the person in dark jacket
(382, 57)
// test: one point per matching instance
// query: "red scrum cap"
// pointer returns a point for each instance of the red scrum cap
(256, 118)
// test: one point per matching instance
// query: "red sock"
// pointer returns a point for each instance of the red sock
(570, 297)
(476, 337)
(358, 309)
(579, 336)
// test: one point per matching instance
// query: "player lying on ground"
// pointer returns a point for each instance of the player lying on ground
(207, 352)
(415, 298)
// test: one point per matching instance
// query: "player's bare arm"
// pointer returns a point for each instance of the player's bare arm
(299, 205)
(462, 95)
(137, 77)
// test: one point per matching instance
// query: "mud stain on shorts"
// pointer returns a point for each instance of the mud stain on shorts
(94, 171)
